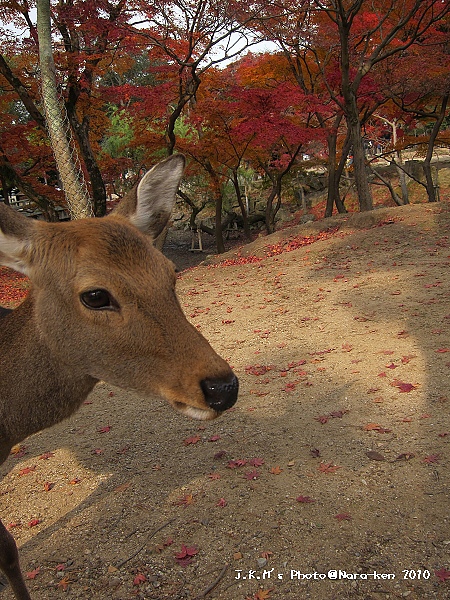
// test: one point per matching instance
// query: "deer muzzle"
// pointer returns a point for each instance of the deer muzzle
(220, 394)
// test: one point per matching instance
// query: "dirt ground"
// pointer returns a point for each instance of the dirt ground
(330, 477)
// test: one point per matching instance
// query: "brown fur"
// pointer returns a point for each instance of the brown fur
(54, 349)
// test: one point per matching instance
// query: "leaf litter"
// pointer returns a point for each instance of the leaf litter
(321, 461)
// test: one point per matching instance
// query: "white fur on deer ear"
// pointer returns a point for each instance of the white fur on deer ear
(156, 195)
(15, 233)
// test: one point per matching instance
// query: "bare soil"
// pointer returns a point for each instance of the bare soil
(330, 477)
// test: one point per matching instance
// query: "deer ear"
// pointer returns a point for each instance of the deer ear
(15, 236)
(149, 205)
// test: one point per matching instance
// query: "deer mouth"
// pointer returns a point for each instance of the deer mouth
(199, 414)
(219, 394)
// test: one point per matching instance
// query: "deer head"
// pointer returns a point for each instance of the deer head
(103, 300)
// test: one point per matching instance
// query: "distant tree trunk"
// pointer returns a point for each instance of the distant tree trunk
(237, 189)
(331, 192)
(4, 184)
(388, 184)
(399, 162)
(359, 160)
(275, 192)
(402, 179)
(195, 210)
(431, 185)
(77, 198)
(218, 219)
(9, 174)
(335, 172)
(271, 212)
(218, 202)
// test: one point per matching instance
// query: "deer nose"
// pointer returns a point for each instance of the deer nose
(220, 394)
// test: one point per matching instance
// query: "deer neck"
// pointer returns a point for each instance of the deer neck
(37, 390)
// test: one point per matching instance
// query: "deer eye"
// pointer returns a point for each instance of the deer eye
(98, 300)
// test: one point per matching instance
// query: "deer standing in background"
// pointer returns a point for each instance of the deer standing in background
(102, 306)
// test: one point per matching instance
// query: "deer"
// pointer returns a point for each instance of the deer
(102, 306)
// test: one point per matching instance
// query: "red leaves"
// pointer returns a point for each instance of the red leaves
(322, 419)
(46, 455)
(442, 574)
(163, 545)
(406, 359)
(33, 574)
(276, 470)
(431, 459)
(139, 578)
(13, 287)
(290, 387)
(345, 516)
(327, 468)
(191, 440)
(405, 456)
(258, 369)
(299, 242)
(375, 427)
(185, 500)
(260, 595)
(234, 464)
(305, 499)
(65, 582)
(34, 522)
(105, 429)
(184, 557)
(240, 260)
(27, 470)
(402, 386)
(336, 414)
(18, 451)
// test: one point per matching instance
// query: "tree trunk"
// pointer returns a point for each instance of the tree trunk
(195, 210)
(271, 213)
(335, 173)
(98, 189)
(220, 246)
(431, 185)
(359, 160)
(276, 180)
(8, 173)
(4, 184)
(217, 191)
(402, 180)
(331, 192)
(237, 189)
(77, 198)
(349, 92)
(398, 201)
(399, 162)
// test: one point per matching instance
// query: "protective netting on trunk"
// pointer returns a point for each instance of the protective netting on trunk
(66, 155)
